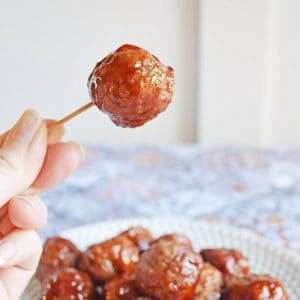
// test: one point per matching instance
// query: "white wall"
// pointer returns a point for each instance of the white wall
(249, 67)
(245, 53)
(281, 124)
(48, 49)
(231, 70)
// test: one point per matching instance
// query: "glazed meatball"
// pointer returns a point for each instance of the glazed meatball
(228, 261)
(57, 253)
(177, 239)
(168, 271)
(209, 284)
(121, 287)
(253, 287)
(140, 236)
(68, 284)
(105, 260)
(131, 85)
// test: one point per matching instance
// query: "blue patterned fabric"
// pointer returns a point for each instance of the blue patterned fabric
(252, 188)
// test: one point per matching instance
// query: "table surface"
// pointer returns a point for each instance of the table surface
(249, 188)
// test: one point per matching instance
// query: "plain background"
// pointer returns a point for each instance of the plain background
(236, 62)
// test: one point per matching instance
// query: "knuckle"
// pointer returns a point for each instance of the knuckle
(8, 163)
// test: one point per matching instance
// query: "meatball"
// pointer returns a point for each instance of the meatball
(228, 261)
(57, 253)
(68, 284)
(254, 287)
(105, 260)
(168, 271)
(140, 236)
(209, 283)
(121, 287)
(131, 85)
(177, 239)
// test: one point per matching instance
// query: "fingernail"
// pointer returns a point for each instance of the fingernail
(26, 127)
(7, 251)
(80, 150)
(29, 208)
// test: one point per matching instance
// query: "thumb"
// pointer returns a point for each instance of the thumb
(21, 155)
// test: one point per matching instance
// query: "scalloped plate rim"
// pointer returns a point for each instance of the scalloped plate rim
(223, 227)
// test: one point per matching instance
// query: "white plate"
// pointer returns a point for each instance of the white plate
(265, 258)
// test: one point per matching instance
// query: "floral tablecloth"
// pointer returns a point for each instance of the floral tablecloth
(250, 188)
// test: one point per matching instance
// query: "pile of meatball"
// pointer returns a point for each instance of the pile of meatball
(135, 266)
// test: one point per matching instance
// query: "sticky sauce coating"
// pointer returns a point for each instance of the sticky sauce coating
(135, 266)
(58, 253)
(131, 85)
(120, 287)
(209, 284)
(169, 271)
(140, 236)
(68, 284)
(228, 261)
(105, 260)
(254, 287)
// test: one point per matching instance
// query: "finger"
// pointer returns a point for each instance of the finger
(55, 132)
(21, 155)
(61, 160)
(3, 211)
(50, 121)
(2, 137)
(3, 292)
(20, 248)
(6, 226)
(27, 212)
(54, 135)
(20, 252)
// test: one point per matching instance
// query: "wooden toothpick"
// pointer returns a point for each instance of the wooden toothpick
(73, 114)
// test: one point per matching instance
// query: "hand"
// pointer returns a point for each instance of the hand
(31, 160)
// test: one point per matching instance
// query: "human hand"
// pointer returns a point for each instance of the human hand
(31, 160)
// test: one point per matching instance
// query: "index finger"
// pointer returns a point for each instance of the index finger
(56, 133)
(54, 136)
